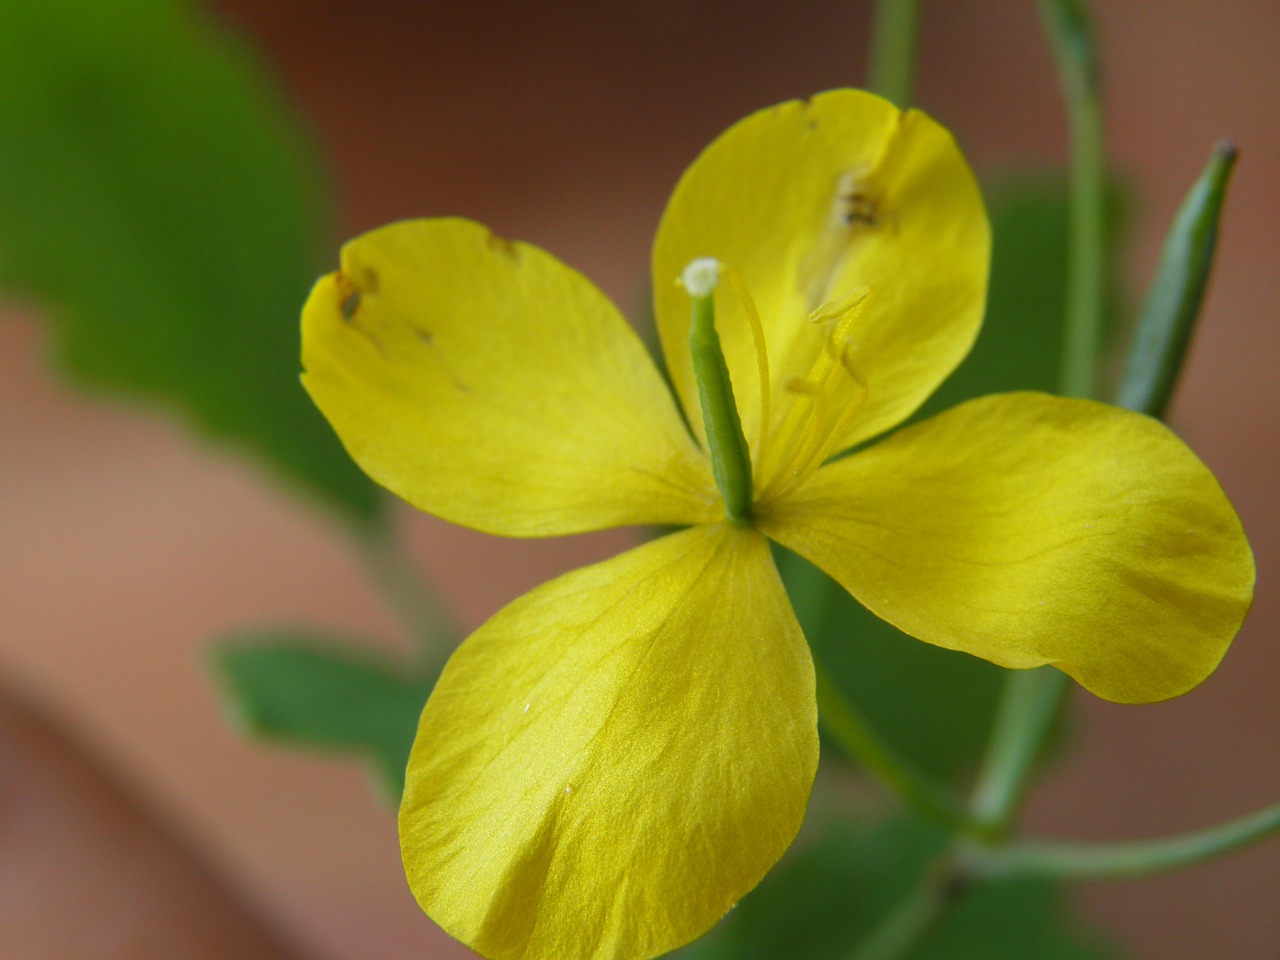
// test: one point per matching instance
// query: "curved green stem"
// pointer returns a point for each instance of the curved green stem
(1029, 703)
(404, 590)
(902, 928)
(1070, 34)
(1083, 861)
(849, 729)
(893, 49)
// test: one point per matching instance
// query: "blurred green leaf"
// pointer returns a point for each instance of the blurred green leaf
(311, 692)
(157, 197)
(934, 707)
(1013, 920)
(826, 900)
(827, 897)
(1020, 346)
(1021, 343)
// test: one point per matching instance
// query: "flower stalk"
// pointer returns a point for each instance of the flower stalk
(1095, 861)
(1070, 34)
(893, 49)
(846, 725)
(1027, 708)
(405, 593)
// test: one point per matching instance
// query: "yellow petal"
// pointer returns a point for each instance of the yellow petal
(614, 759)
(808, 201)
(1029, 529)
(486, 382)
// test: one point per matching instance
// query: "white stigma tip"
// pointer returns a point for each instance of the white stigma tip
(701, 276)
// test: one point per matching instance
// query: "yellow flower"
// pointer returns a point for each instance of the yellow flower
(614, 759)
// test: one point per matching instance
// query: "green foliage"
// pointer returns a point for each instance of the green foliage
(156, 197)
(826, 898)
(1012, 920)
(1020, 347)
(934, 707)
(830, 898)
(312, 693)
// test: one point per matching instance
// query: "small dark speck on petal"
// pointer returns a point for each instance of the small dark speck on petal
(502, 245)
(810, 121)
(350, 304)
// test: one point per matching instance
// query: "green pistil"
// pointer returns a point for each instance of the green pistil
(730, 459)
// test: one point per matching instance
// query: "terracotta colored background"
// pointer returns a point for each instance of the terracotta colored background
(127, 543)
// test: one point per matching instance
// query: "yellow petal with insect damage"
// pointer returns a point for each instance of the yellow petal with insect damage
(485, 382)
(809, 201)
(613, 760)
(1030, 530)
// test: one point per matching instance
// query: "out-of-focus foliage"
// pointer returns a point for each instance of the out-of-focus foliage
(313, 693)
(157, 198)
(830, 898)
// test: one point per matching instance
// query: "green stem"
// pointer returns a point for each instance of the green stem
(846, 725)
(911, 919)
(1028, 705)
(1077, 861)
(1031, 698)
(893, 49)
(404, 590)
(1067, 25)
(811, 595)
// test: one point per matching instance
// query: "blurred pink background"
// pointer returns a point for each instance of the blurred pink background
(128, 543)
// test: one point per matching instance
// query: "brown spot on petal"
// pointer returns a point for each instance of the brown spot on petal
(854, 213)
(502, 245)
(350, 295)
(859, 209)
(350, 304)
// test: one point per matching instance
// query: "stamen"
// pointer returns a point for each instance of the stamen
(814, 438)
(849, 410)
(840, 309)
(743, 296)
(806, 387)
